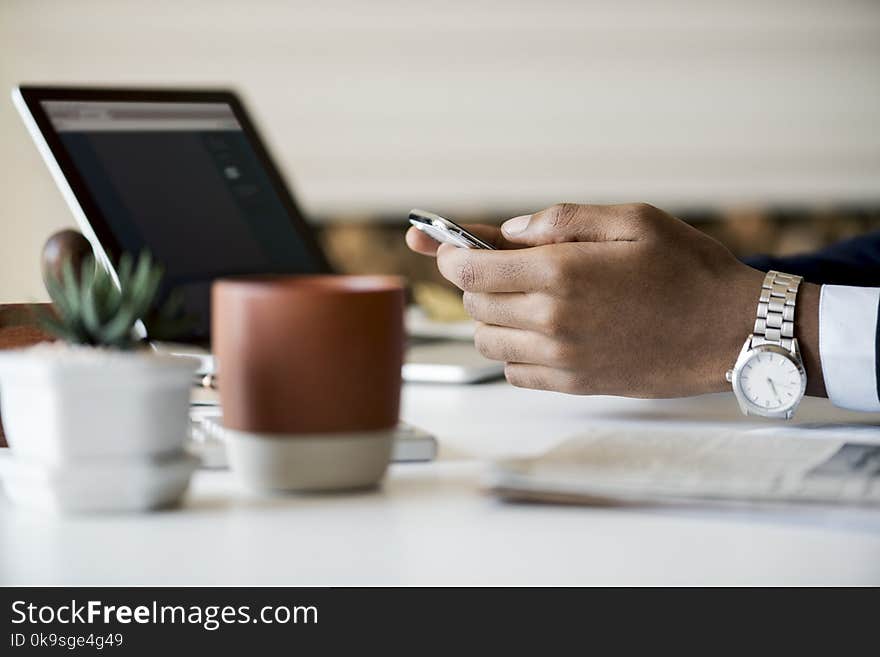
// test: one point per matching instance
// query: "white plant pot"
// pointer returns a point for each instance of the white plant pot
(63, 404)
(100, 486)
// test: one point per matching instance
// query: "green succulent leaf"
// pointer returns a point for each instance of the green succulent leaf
(55, 327)
(92, 309)
(173, 306)
(124, 271)
(56, 294)
(89, 296)
(70, 288)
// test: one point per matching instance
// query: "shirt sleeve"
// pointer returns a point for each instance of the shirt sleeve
(848, 336)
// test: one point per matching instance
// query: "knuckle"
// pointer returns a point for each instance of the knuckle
(555, 269)
(551, 318)
(559, 354)
(484, 349)
(507, 352)
(471, 304)
(561, 271)
(482, 341)
(510, 269)
(562, 215)
(516, 377)
(643, 209)
(492, 346)
(641, 214)
(545, 318)
(574, 385)
(466, 276)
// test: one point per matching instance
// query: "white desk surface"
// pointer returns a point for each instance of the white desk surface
(431, 524)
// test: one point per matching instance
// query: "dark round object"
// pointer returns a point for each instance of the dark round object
(63, 245)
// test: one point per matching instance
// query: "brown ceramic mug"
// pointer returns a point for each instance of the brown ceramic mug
(308, 354)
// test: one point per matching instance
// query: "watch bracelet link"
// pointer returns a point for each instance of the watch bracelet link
(775, 321)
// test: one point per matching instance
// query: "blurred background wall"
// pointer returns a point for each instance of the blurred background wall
(743, 116)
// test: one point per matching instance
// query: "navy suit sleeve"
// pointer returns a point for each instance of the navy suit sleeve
(854, 262)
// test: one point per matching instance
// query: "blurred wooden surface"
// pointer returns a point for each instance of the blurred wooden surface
(19, 328)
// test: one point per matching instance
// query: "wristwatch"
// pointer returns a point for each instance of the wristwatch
(769, 378)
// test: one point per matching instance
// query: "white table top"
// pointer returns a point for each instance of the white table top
(431, 523)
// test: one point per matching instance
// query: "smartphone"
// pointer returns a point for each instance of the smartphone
(445, 231)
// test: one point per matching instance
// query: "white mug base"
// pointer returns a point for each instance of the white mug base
(309, 462)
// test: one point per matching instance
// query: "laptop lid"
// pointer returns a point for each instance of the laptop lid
(183, 174)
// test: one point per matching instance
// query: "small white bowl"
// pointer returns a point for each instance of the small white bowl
(309, 462)
(101, 485)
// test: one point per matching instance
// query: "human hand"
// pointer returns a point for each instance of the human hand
(623, 300)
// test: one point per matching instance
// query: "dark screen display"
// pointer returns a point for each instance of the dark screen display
(184, 182)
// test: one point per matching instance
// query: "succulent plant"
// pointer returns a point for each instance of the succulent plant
(91, 310)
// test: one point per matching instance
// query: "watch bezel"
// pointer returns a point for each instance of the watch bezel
(749, 352)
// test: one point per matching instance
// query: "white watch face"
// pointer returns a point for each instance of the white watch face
(771, 381)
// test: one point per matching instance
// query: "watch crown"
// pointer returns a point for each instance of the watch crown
(728, 376)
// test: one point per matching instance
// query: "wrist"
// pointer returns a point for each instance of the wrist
(734, 322)
(807, 332)
(740, 303)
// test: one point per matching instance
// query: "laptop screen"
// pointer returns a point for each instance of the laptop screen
(182, 180)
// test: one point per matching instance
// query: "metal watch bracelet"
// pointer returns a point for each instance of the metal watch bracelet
(775, 322)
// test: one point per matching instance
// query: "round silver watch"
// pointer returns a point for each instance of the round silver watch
(768, 377)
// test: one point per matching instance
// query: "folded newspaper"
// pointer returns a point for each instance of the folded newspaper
(812, 463)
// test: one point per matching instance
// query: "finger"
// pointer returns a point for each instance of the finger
(426, 245)
(419, 242)
(540, 377)
(569, 222)
(472, 270)
(520, 310)
(514, 345)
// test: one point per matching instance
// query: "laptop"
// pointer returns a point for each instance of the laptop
(185, 174)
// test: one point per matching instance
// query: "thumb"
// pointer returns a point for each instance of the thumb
(570, 222)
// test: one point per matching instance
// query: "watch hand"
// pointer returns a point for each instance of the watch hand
(773, 388)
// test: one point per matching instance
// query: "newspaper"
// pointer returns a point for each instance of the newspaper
(605, 466)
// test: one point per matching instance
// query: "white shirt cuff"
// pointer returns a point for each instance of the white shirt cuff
(848, 345)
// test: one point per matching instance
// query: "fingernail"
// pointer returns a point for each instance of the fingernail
(516, 225)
